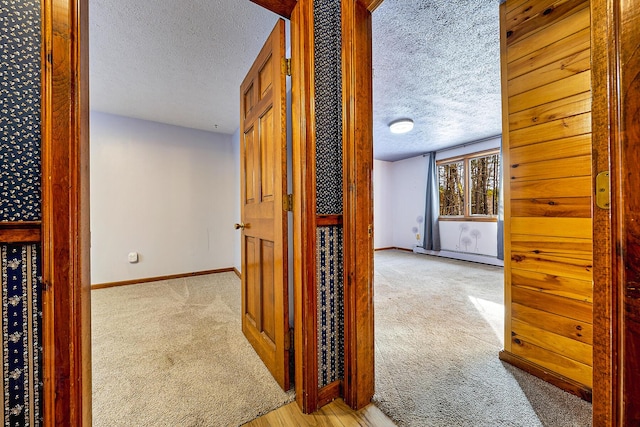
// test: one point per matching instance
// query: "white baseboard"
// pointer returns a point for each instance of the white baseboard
(463, 256)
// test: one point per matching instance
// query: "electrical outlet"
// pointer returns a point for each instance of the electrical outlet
(133, 257)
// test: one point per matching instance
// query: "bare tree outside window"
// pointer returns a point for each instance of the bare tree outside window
(483, 176)
(451, 182)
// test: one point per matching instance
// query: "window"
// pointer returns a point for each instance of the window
(469, 186)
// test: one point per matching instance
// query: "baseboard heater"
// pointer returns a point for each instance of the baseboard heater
(463, 256)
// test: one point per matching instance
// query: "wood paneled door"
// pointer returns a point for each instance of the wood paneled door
(265, 302)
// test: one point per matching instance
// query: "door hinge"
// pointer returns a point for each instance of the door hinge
(287, 66)
(287, 203)
(603, 190)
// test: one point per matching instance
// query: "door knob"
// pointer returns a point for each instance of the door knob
(239, 226)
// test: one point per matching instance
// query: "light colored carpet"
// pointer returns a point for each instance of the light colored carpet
(172, 353)
(439, 326)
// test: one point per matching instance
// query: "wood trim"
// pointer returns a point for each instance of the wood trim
(357, 110)
(20, 232)
(557, 380)
(283, 8)
(65, 218)
(624, 105)
(328, 220)
(235, 270)
(469, 218)
(396, 248)
(304, 206)
(371, 5)
(473, 155)
(506, 184)
(329, 393)
(604, 110)
(159, 278)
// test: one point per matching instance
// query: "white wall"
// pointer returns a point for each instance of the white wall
(469, 236)
(399, 203)
(408, 196)
(237, 238)
(382, 206)
(163, 191)
(456, 235)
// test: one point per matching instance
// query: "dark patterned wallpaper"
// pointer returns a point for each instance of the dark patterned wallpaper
(330, 264)
(20, 200)
(21, 335)
(20, 110)
(328, 106)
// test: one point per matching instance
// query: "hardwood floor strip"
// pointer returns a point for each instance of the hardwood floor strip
(159, 278)
(335, 414)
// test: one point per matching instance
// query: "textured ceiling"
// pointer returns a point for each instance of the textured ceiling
(176, 62)
(182, 62)
(438, 63)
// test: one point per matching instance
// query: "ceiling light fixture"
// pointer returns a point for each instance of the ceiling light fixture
(401, 126)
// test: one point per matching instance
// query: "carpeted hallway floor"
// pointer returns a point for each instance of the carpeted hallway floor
(172, 353)
(439, 328)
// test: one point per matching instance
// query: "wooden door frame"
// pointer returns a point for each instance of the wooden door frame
(65, 194)
(613, 83)
(357, 158)
(66, 240)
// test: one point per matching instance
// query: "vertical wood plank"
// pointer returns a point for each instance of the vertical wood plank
(357, 107)
(625, 180)
(606, 396)
(506, 185)
(304, 206)
(548, 162)
(65, 195)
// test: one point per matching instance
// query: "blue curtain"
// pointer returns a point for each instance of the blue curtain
(501, 211)
(432, 208)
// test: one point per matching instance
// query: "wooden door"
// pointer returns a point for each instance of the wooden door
(547, 151)
(265, 302)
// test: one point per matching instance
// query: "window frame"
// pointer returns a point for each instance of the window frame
(466, 159)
